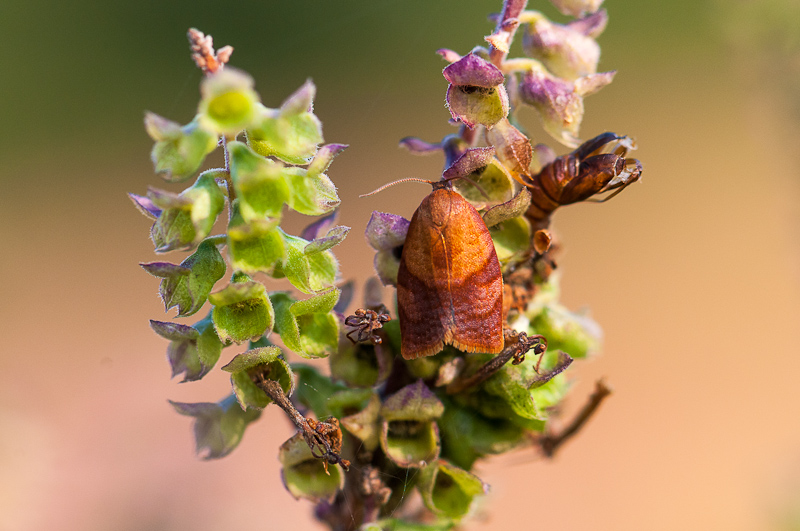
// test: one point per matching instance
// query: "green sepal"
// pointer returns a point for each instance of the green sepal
(260, 183)
(218, 427)
(188, 217)
(365, 422)
(512, 239)
(410, 443)
(291, 133)
(409, 435)
(413, 402)
(332, 238)
(266, 361)
(312, 192)
(228, 103)
(349, 401)
(242, 310)
(493, 178)
(307, 327)
(314, 389)
(357, 365)
(310, 272)
(187, 286)
(478, 105)
(516, 206)
(305, 476)
(448, 490)
(510, 385)
(467, 435)
(395, 524)
(577, 335)
(193, 350)
(256, 246)
(179, 151)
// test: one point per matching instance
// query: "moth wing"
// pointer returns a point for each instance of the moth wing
(476, 282)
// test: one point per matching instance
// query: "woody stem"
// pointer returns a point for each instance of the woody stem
(550, 443)
(275, 392)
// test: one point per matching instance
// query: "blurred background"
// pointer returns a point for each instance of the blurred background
(693, 273)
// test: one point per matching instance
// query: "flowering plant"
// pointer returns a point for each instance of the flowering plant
(376, 423)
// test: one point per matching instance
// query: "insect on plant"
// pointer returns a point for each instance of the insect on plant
(407, 403)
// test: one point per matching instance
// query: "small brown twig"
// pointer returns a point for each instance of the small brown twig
(319, 435)
(517, 345)
(552, 442)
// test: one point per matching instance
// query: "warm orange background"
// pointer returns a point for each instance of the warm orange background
(693, 273)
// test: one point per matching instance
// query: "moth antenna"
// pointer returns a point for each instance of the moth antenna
(414, 179)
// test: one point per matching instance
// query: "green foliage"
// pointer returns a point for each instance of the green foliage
(178, 151)
(307, 327)
(218, 427)
(242, 310)
(269, 363)
(187, 286)
(186, 218)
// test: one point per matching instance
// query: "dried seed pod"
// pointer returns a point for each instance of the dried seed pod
(597, 166)
(449, 287)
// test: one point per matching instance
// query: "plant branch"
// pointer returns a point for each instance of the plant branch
(552, 442)
(317, 434)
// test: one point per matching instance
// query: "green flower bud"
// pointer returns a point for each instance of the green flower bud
(193, 350)
(476, 94)
(448, 490)
(312, 192)
(568, 51)
(267, 362)
(560, 102)
(187, 285)
(409, 435)
(467, 435)
(291, 133)
(260, 183)
(305, 476)
(228, 103)
(514, 207)
(512, 239)
(359, 411)
(256, 246)
(493, 178)
(242, 310)
(307, 327)
(179, 151)
(308, 268)
(186, 218)
(218, 427)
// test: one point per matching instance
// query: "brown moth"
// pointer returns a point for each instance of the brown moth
(449, 286)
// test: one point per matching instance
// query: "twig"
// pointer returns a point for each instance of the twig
(550, 443)
(317, 434)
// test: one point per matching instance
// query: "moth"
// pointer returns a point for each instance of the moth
(449, 286)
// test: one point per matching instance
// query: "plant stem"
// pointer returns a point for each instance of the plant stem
(550, 443)
(313, 437)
